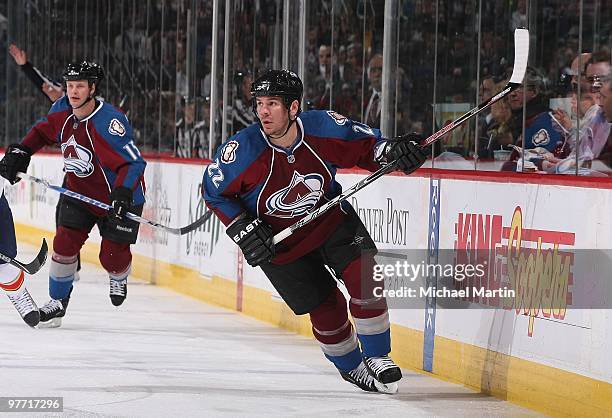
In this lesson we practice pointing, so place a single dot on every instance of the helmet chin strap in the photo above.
(291, 121)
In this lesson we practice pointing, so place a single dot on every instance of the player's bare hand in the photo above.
(19, 55)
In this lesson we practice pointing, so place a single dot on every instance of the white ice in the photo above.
(163, 354)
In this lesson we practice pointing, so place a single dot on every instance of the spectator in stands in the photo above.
(494, 129)
(242, 111)
(606, 96)
(374, 95)
(519, 16)
(327, 82)
(594, 129)
(354, 64)
(542, 133)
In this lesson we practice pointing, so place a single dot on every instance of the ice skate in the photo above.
(52, 312)
(361, 377)
(118, 291)
(26, 307)
(383, 369)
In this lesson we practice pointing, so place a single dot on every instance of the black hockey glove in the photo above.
(254, 238)
(406, 150)
(16, 159)
(121, 201)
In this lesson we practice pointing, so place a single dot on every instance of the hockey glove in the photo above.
(254, 238)
(121, 201)
(406, 151)
(16, 159)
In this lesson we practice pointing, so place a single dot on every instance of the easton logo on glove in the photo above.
(255, 239)
(247, 230)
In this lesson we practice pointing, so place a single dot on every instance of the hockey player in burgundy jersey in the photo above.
(12, 280)
(101, 161)
(267, 177)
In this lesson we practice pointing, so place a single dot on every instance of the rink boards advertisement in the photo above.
(555, 228)
(470, 218)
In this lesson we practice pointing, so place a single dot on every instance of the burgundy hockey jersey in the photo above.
(99, 151)
(280, 186)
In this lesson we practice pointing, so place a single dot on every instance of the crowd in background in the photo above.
(450, 54)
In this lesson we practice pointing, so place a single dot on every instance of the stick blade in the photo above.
(195, 225)
(42, 254)
(521, 55)
(38, 262)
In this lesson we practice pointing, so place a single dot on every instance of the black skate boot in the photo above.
(26, 307)
(383, 369)
(118, 291)
(52, 312)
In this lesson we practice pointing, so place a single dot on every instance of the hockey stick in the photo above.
(521, 54)
(94, 202)
(33, 266)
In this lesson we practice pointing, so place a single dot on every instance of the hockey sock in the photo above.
(375, 345)
(369, 312)
(61, 275)
(122, 275)
(346, 362)
(59, 287)
(331, 327)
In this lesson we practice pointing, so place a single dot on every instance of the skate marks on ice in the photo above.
(164, 354)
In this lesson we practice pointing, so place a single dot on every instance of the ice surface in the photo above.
(162, 354)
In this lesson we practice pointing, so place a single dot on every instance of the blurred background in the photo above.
(181, 70)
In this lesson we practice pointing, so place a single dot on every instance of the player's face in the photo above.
(77, 91)
(273, 115)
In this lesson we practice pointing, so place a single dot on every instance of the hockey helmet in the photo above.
(84, 70)
(281, 83)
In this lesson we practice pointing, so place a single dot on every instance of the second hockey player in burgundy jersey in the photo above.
(101, 161)
(270, 175)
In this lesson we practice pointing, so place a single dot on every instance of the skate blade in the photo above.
(52, 323)
(389, 388)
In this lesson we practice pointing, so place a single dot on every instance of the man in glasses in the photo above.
(586, 102)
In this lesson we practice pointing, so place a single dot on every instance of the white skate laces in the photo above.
(361, 378)
(51, 314)
(118, 291)
(52, 307)
(26, 307)
(383, 369)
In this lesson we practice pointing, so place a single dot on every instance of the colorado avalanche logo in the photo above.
(337, 117)
(298, 198)
(77, 158)
(228, 155)
(541, 137)
(116, 128)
